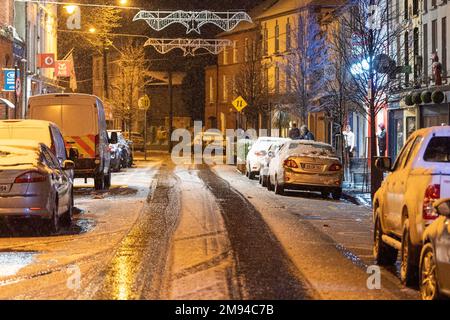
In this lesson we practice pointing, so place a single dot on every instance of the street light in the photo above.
(92, 30)
(123, 2)
(70, 9)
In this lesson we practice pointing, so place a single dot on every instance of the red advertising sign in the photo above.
(46, 60)
(63, 68)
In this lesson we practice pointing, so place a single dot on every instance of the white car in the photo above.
(306, 165)
(265, 162)
(403, 205)
(257, 153)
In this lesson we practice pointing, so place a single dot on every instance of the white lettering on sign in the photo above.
(74, 20)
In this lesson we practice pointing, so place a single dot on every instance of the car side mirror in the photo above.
(68, 165)
(73, 154)
(271, 154)
(442, 207)
(384, 164)
(114, 138)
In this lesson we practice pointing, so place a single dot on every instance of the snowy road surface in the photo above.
(169, 231)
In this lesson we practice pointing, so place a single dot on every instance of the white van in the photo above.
(81, 118)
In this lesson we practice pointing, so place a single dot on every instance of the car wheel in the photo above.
(269, 184)
(107, 181)
(408, 266)
(337, 194)
(279, 189)
(325, 194)
(382, 253)
(429, 286)
(99, 181)
(66, 218)
(264, 181)
(252, 175)
(53, 223)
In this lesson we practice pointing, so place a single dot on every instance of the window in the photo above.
(277, 38)
(277, 80)
(288, 80)
(413, 149)
(433, 4)
(425, 6)
(405, 7)
(402, 156)
(225, 56)
(288, 36)
(224, 88)
(438, 150)
(407, 56)
(444, 44)
(425, 51)
(266, 41)
(235, 51)
(416, 52)
(211, 89)
(415, 7)
(246, 50)
(434, 36)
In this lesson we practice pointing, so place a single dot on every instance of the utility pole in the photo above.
(15, 90)
(105, 70)
(170, 111)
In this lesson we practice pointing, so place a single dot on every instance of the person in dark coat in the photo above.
(305, 134)
(294, 133)
(382, 140)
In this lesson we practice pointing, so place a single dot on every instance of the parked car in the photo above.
(38, 130)
(306, 165)
(126, 154)
(81, 118)
(435, 255)
(33, 184)
(257, 153)
(265, 162)
(137, 140)
(115, 163)
(403, 205)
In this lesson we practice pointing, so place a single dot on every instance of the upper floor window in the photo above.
(235, 51)
(265, 41)
(246, 50)
(288, 36)
(225, 56)
(277, 37)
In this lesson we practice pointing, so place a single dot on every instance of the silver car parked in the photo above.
(435, 255)
(33, 184)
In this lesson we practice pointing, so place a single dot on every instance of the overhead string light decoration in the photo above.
(192, 20)
(189, 46)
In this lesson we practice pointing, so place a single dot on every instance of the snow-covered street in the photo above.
(168, 231)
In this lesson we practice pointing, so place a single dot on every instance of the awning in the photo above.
(7, 103)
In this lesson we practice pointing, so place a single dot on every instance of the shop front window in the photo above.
(435, 115)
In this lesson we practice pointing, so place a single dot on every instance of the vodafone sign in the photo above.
(46, 60)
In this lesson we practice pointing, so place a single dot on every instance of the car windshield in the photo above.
(438, 150)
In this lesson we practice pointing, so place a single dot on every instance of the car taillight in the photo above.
(335, 167)
(260, 153)
(432, 193)
(289, 163)
(30, 177)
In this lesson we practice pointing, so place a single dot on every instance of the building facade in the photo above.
(422, 100)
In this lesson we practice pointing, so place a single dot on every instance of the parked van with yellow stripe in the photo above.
(81, 119)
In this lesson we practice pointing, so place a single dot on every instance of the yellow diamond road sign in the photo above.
(239, 104)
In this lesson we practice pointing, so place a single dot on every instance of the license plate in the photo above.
(308, 166)
(4, 188)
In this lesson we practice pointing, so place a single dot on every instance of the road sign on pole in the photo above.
(239, 104)
(144, 102)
